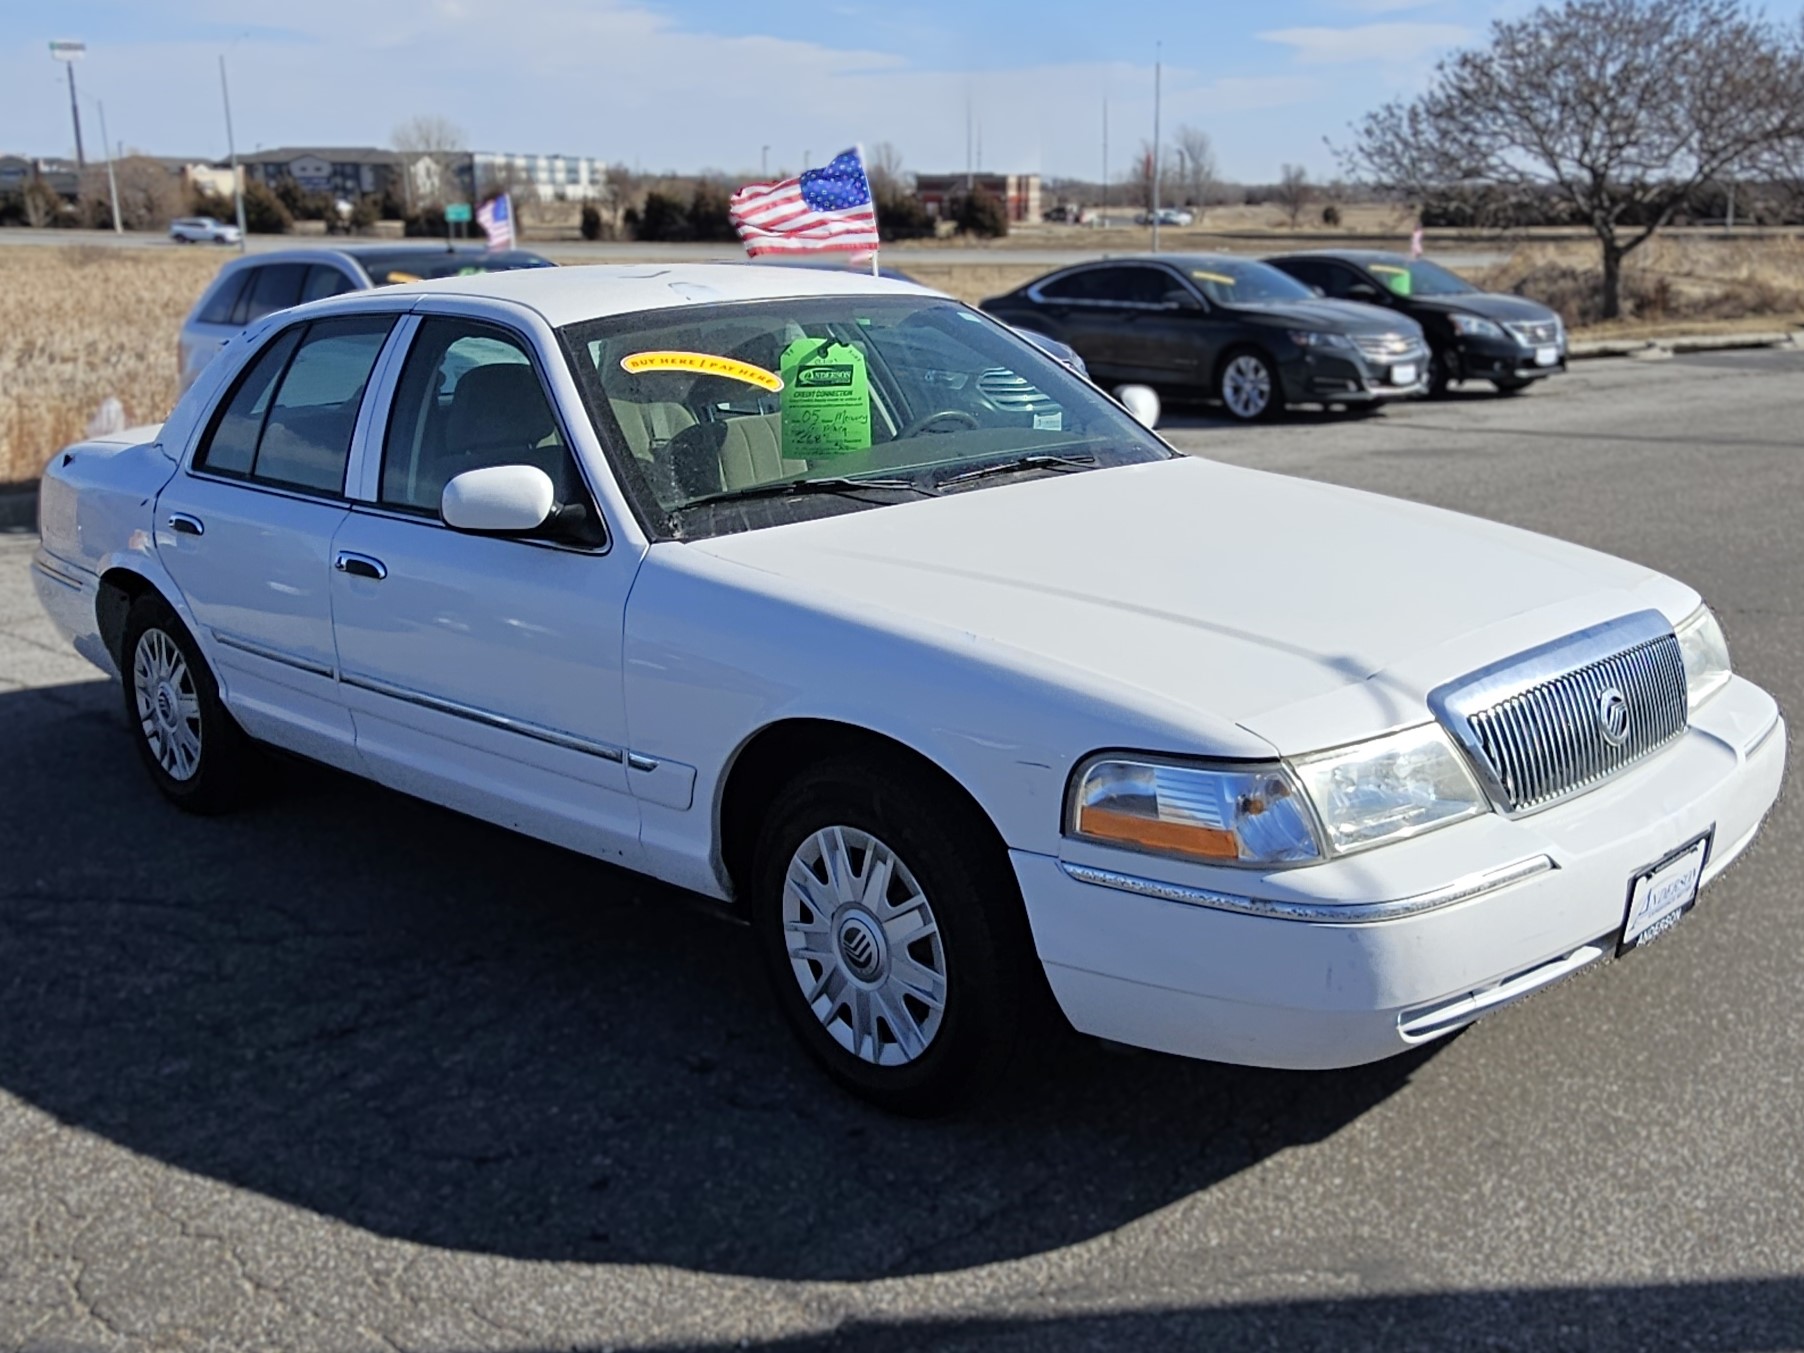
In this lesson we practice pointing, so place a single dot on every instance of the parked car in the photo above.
(751, 584)
(1475, 335)
(203, 230)
(1167, 216)
(256, 285)
(1204, 325)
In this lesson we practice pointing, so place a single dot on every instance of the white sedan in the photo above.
(831, 598)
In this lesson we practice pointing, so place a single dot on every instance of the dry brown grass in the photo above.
(1693, 282)
(80, 323)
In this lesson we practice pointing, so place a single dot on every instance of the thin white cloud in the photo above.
(1368, 42)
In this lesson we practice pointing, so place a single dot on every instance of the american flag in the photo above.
(496, 217)
(826, 208)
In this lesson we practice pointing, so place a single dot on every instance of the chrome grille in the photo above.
(1536, 726)
(1006, 390)
(1536, 333)
(1388, 347)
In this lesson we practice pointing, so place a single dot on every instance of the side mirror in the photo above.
(1318, 291)
(1142, 401)
(504, 499)
(1365, 291)
(1179, 299)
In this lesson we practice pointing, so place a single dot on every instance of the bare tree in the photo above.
(1198, 155)
(883, 166)
(1295, 192)
(150, 194)
(430, 147)
(1619, 109)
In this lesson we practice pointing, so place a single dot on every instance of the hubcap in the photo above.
(1246, 387)
(864, 946)
(168, 708)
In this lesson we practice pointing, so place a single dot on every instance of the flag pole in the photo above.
(875, 272)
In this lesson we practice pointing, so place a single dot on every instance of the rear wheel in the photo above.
(892, 933)
(1247, 386)
(1440, 373)
(193, 748)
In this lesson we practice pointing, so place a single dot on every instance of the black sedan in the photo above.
(1476, 335)
(1232, 329)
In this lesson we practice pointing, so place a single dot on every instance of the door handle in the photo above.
(360, 566)
(184, 525)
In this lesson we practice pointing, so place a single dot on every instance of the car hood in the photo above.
(1487, 304)
(1307, 613)
(1340, 317)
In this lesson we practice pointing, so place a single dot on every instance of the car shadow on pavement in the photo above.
(439, 1031)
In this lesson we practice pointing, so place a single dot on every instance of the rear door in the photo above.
(246, 529)
(1121, 321)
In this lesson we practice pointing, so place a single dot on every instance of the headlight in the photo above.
(1241, 815)
(1310, 338)
(1471, 326)
(1390, 788)
(1706, 654)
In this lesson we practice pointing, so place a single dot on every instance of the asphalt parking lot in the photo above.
(348, 1072)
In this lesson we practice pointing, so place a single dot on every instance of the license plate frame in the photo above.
(1405, 373)
(1647, 915)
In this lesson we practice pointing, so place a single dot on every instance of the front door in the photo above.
(484, 672)
(246, 530)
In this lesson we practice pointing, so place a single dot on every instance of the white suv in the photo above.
(203, 230)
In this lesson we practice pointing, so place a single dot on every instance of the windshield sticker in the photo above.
(397, 277)
(1397, 279)
(1050, 422)
(826, 399)
(1220, 277)
(703, 363)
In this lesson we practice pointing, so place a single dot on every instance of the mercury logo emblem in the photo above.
(1613, 716)
(858, 947)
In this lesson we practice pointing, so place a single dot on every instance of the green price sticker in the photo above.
(1399, 280)
(826, 399)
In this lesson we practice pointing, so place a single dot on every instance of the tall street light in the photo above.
(1158, 71)
(232, 151)
(112, 180)
(69, 52)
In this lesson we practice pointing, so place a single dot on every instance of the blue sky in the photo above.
(709, 83)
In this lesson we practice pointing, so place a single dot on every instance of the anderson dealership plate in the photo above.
(1660, 895)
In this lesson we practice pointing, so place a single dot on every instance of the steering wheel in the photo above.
(921, 424)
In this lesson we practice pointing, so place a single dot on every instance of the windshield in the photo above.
(1417, 277)
(1232, 281)
(715, 405)
(422, 265)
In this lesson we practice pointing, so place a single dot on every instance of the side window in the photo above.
(224, 299)
(1090, 284)
(231, 443)
(275, 286)
(307, 433)
(1143, 286)
(324, 280)
(1342, 280)
(468, 398)
(1310, 272)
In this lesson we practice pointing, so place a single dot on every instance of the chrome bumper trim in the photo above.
(1318, 913)
(1445, 1016)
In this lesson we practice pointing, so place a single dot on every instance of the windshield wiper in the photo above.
(1038, 461)
(785, 488)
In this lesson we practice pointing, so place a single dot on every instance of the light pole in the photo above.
(764, 164)
(232, 151)
(69, 52)
(112, 180)
(1158, 72)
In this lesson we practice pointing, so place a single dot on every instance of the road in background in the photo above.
(348, 1072)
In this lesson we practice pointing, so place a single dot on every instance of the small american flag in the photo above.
(496, 217)
(826, 208)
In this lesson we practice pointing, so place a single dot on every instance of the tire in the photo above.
(951, 913)
(1248, 386)
(1440, 373)
(192, 747)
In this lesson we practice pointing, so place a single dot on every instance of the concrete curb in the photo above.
(19, 509)
(1659, 349)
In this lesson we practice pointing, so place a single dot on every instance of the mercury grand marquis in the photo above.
(832, 599)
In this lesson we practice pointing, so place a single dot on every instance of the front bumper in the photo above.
(1348, 376)
(1493, 359)
(1295, 980)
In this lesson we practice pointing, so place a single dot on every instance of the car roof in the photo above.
(1349, 255)
(593, 291)
(1172, 260)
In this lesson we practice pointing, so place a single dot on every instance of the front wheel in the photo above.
(193, 748)
(893, 934)
(1247, 386)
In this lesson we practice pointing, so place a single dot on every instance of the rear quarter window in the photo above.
(223, 300)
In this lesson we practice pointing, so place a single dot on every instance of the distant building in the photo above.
(343, 171)
(60, 176)
(1018, 193)
(553, 178)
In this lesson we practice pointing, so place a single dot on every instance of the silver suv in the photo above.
(251, 287)
(202, 230)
